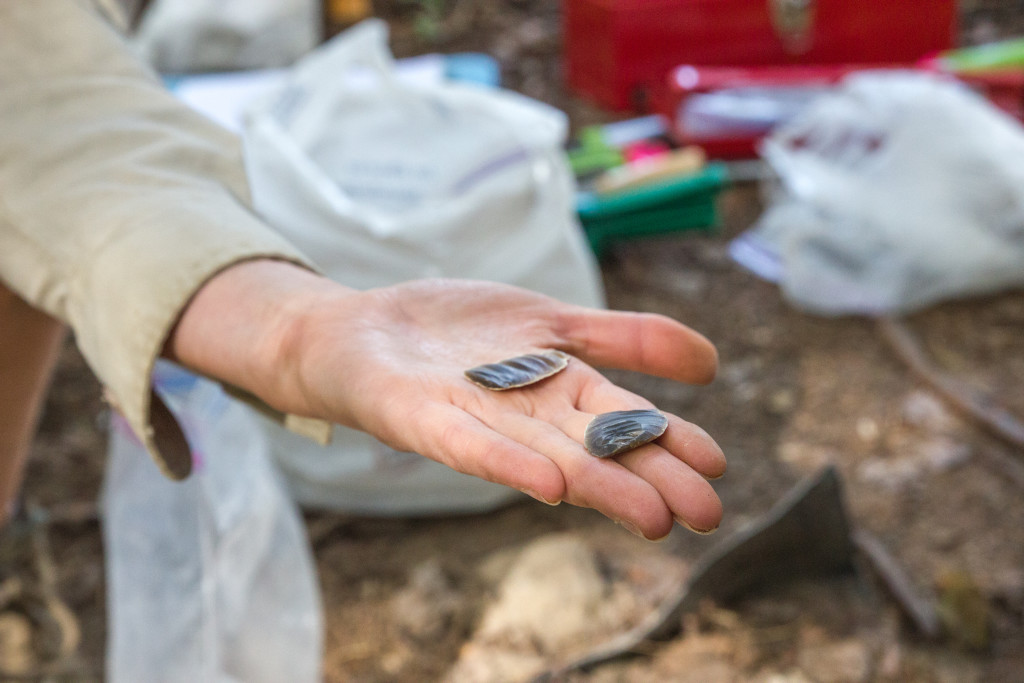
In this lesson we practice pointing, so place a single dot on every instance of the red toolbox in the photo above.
(618, 52)
(1003, 88)
(727, 110)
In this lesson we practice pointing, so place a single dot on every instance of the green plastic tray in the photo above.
(667, 206)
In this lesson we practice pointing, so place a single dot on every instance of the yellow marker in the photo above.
(685, 161)
(347, 12)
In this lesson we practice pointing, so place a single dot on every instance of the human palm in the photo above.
(390, 361)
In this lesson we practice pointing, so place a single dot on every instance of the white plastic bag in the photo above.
(899, 190)
(382, 181)
(187, 36)
(210, 579)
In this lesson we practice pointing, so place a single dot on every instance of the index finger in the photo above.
(645, 342)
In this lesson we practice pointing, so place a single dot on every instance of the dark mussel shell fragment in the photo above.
(612, 433)
(519, 371)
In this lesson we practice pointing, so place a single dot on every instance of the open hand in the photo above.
(390, 361)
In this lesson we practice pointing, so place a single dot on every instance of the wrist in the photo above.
(251, 326)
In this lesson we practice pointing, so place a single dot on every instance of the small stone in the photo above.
(394, 661)
(533, 32)
(941, 454)
(781, 402)
(689, 284)
(16, 653)
(698, 657)
(937, 454)
(795, 676)
(746, 392)
(425, 607)
(478, 664)
(743, 371)
(892, 474)
(926, 411)
(868, 430)
(890, 664)
(805, 457)
(846, 661)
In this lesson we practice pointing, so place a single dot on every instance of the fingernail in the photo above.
(631, 528)
(537, 496)
(628, 526)
(702, 532)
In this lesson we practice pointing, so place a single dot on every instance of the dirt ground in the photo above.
(795, 393)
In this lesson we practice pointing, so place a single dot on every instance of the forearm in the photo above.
(29, 346)
(391, 361)
(118, 201)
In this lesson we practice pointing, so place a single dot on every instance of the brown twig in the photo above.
(54, 609)
(975, 404)
(921, 611)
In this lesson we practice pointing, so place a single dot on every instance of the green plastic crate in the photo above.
(667, 206)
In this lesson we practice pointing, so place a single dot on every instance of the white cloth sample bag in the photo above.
(899, 190)
(382, 181)
(190, 36)
(210, 579)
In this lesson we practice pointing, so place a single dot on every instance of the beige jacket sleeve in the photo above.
(116, 202)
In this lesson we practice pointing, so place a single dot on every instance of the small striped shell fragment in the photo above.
(519, 371)
(612, 433)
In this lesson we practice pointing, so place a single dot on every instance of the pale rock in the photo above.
(425, 607)
(846, 661)
(926, 411)
(741, 376)
(940, 454)
(889, 473)
(489, 664)
(689, 284)
(932, 455)
(805, 457)
(782, 402)
(394, 661)
(699, 657)
(868, 430)
(551, 598)
(16, 652)
(890, 664)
